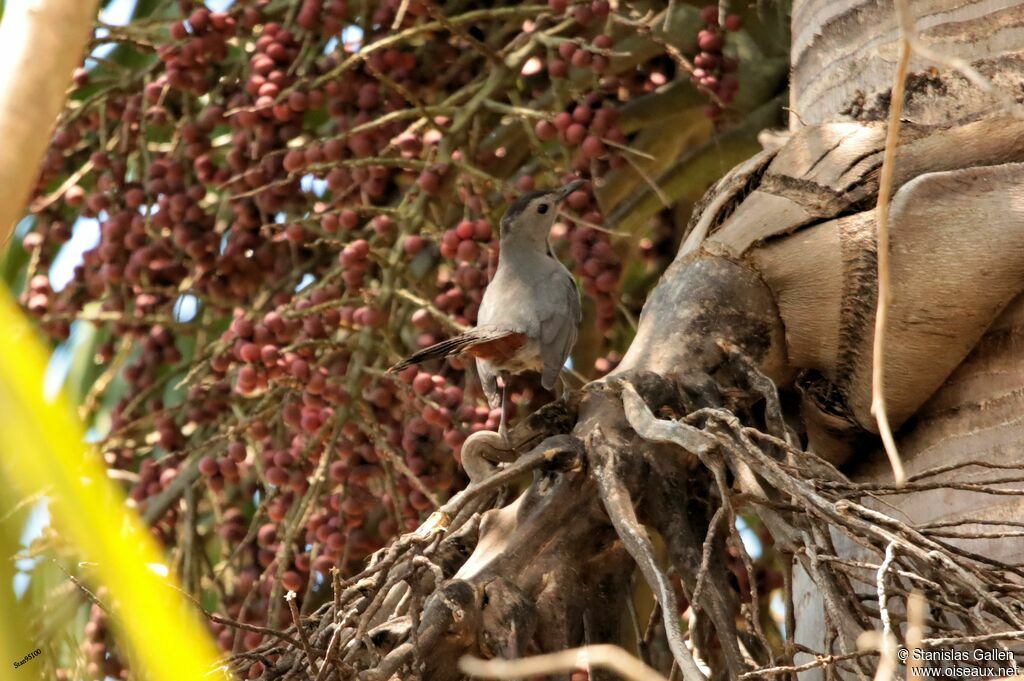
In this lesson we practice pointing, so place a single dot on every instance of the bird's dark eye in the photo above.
(542, 208)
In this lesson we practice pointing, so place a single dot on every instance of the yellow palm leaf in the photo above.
(42, 446)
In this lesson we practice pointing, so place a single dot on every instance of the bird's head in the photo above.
(529, 218)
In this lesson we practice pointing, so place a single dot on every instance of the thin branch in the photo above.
(290, 597)
(83, 588)
(885, 188)
(819, 661)
(1017, 635)
(873, 640)
(620, 508)
(235, 624)
(884, 641)
(545, 453)
(612, 658)
(707, 552)
(916, 610)
(883, 571)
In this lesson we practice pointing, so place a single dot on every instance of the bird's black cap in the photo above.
(520, 204)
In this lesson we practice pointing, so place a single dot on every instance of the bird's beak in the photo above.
(563, 192)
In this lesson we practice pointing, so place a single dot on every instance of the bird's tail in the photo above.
(453, 346)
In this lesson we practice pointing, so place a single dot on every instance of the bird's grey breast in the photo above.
(516, 296)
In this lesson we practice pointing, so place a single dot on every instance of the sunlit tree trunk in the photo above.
(843, 59)
(41, 43)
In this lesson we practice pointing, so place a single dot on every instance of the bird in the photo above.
(530, 312)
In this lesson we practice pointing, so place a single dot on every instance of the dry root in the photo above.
(680, 458)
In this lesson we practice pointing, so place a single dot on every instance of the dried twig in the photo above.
(916, 608)
(825, 507)
(884, 641)
(609, 657)
(621, 511)
(819, 661)
(885, 188)
(296, 620)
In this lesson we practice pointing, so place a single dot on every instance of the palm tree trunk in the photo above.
(843, 60)
(41, 43)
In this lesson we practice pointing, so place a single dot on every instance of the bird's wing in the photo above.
(560, 318)
(455, 346)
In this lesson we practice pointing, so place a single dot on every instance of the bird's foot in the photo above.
(503, 433)
(502, 424)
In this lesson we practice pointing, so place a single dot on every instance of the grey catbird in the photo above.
(530, 312)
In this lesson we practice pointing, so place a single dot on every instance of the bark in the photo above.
(973, 414)
(41, 43)
(844, 54)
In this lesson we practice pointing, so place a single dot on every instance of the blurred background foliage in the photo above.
(251, 209)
